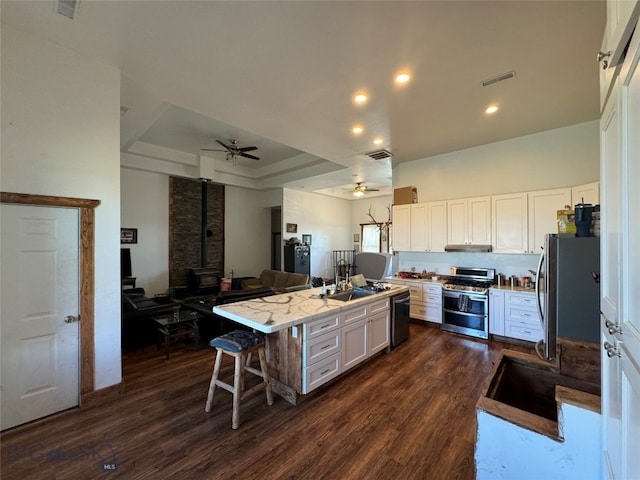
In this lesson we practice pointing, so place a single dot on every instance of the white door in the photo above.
(38, 288)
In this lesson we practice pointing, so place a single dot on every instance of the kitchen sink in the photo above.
(351, 295)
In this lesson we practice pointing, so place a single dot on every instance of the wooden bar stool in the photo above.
(239, 344)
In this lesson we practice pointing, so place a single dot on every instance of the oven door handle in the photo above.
(472, 296)
(458, 312)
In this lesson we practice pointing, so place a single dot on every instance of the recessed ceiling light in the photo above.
(360, 98)
(403, 78)
(491, 109)
(377, 141)
(357, 130)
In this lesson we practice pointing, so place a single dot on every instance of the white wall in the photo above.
(327, 219)
(361, 206)
(556, 158)
(247, 223)
(145, 205)
(61, 137)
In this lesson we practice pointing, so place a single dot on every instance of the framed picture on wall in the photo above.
(128, 235)
(306, 239)
(292, 228)
(356, 238)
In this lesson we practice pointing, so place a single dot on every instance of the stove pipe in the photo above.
(203, 223)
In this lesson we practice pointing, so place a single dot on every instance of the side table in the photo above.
(171, 327)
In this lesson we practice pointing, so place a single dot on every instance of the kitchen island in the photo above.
(312, 339)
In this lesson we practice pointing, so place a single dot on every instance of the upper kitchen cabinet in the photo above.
(509, 223)
(589, 193)
(621, 18)
(469, 221)
(436, 226)
(420, 227)
(543, 210)
(402, 228)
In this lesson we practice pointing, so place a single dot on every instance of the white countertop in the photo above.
(400, 280)
(278, 312)
(509, 288)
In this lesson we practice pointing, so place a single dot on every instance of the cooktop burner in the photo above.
(476, 280)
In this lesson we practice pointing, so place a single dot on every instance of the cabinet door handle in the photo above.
(611, 350)
(613, 328)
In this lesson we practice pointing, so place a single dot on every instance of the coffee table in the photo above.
(171, 327)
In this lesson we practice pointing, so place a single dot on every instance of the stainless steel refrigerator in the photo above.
(568, 291)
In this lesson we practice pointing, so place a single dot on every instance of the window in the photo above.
(375, 237)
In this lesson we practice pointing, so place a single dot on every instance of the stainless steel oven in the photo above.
(466, 313)
(465, 301)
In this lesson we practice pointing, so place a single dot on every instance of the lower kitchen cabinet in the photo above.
(496, 312)
(521, 317)
(321, 351)
(333, 344)
(425, 301)
(365, 334)
(514, 314)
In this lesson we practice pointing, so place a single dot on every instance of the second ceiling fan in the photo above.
(360, 190)
(233, 150)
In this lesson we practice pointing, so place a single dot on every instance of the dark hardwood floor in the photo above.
(409, 414)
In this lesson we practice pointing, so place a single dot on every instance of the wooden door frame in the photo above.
(86, 262)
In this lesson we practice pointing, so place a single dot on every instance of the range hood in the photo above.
(468, 248)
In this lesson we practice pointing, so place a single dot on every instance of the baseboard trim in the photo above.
(102, 396)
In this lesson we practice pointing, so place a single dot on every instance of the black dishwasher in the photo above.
(399, 319)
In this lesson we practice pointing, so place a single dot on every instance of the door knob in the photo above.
(70, 319)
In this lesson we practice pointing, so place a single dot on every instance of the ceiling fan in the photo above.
(360, 190)
(233, 150)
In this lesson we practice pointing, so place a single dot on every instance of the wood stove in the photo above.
(204, 280)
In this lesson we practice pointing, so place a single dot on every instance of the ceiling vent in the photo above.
(499, 78)
(68, 8)
(379, 154)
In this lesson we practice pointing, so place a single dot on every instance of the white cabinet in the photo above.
(425, 301)
(521, 318)
(321, 351)
(432, 296)
(620, 262)
(589, 192)
(420, 227)
(354, 340)
(621, 19)
(365, 331)
(401, 228)
(610, 210)
(543, 211)
(436, 230)
(509, 223)
(496, 312)
(334, 343)
(469, 221)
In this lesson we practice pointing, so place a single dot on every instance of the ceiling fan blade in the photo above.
(372, 189)
(225, 146)
(212, 150)
(242, 154)
(247, 149)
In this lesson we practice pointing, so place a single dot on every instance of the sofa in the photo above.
(279, 281)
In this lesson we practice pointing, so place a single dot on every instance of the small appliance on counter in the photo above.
(583, 219)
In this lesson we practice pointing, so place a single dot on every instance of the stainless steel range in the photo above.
(465, 301)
